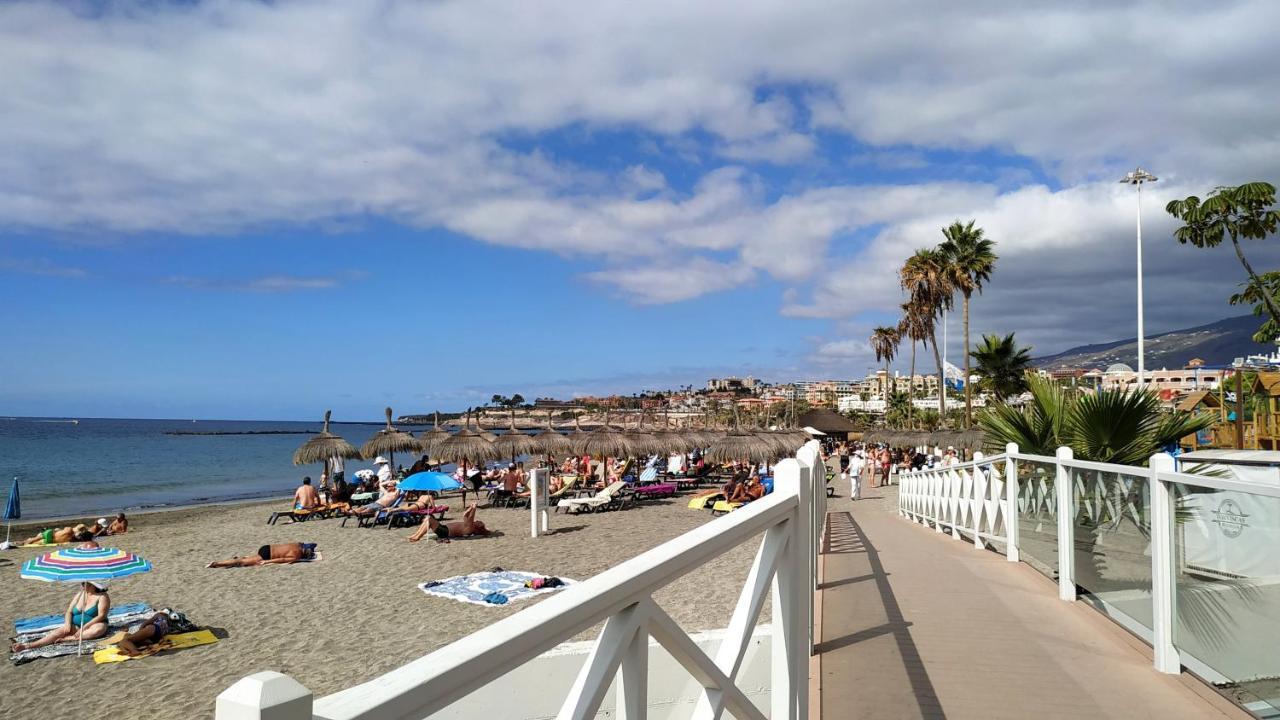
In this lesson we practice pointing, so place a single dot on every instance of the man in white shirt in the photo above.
(385, 477)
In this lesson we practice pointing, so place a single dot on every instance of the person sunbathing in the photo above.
(85, 619)
(152, 631)
(422, 503)
(283, 554)
(305, 497)
(444, 531)
(386, 501)
(59, 536)
(119, 526)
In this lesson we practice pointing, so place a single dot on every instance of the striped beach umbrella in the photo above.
(79, 564)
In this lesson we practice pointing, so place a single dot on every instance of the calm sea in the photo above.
(106, 465)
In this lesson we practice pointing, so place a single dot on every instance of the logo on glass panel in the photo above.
(1230, 518)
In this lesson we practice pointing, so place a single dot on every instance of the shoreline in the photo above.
(166, 514)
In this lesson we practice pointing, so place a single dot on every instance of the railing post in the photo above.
(1011, 502)
(632, 692)
(789, 636)
(264, 696)
(1163, 576)
(977, 498)
(1066, 528)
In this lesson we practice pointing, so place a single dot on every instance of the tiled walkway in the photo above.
(917, 625)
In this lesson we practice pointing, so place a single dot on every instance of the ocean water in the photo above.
(99, 466)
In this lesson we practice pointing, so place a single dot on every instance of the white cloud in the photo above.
(41, 266)
(264, 284)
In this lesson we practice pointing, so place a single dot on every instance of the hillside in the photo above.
(1216, 343)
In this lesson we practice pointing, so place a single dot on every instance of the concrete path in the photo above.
(917, 625)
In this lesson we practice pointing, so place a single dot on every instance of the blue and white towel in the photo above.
(120, 614)
(488, 588)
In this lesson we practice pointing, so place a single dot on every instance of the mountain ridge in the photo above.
(1216, 343)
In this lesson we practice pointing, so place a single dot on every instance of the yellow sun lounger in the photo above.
(723, 506)
(703, 501)
(170, 642)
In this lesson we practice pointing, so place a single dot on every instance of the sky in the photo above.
(255, 210)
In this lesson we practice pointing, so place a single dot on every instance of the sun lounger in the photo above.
(296, 515)
(406, 517)
(372, 519)
(654, 490)
(724, 506)
(598, 501)
(704, 500)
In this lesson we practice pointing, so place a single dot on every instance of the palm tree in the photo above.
(930, 292)
(969, 262)
(1113, 426)
(884, 341)
(1241, 211)
(914, 326)
(1002, 366)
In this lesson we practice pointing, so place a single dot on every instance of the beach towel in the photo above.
(484, 588)
(114, 623)
(120, 614)
(43, 545)
(178, 641)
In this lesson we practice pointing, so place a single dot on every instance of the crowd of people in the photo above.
(874, 465)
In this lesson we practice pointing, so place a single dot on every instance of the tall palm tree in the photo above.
(930, 291)
(969, 262)
(1002, 366)
(914, 326)
(884, 341)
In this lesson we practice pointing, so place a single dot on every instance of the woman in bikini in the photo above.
(444, 531)
(86, 618)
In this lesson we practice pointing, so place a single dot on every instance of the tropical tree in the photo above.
(1002, 366)
(914, 326)
(930, 292)
(969, 262)
(896, 409)
(1114, 426)
(1246, 211)
(884, 342)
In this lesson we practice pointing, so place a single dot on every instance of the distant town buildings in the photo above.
(732, 383)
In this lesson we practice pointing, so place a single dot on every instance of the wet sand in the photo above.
(330, 624)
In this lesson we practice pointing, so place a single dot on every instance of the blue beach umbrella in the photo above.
(12, 510)
(428, 482)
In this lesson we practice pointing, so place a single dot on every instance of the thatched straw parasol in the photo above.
(324, 447)
(484, 433)
(606, 440)
(466, 446)
(430, 440)
(552, 442)
(669, 441)
(389, 441)
(740, 444)
(513, 442)
(642, 442)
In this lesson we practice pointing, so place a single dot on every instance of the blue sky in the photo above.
(258, 210)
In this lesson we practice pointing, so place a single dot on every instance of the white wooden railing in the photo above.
(982, 501)
(790, 520)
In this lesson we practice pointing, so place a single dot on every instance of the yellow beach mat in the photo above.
(170, 642)
(700, 502)
(43, 545)
(723, 506)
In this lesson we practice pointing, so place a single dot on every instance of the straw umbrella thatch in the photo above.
(430, 440)
(389, 441)
(466, 446)
(324, 447)
(513, 442)
(606, 440)
(642, 442)
(669, 441)
(551, 442)
(741, 444)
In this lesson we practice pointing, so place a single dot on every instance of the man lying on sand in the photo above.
(468, 527)
(57, 536)
(283, 554)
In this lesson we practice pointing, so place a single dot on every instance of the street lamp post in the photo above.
(1136, 178)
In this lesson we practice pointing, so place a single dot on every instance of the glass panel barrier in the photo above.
(1227, 600)
(1037, 519)
(1113, 545)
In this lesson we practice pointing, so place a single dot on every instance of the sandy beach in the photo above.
(330, 624)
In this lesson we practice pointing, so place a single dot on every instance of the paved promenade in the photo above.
(917, 625)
